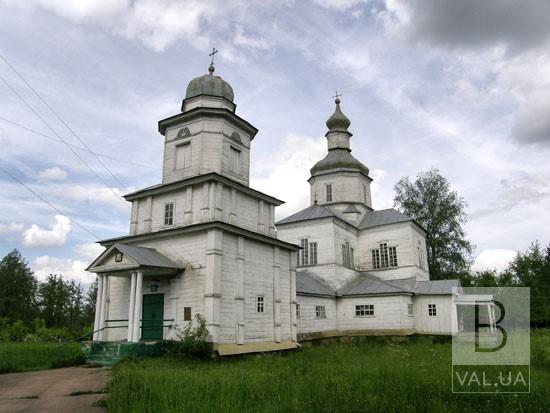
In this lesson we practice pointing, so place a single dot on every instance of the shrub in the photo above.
(192, 341)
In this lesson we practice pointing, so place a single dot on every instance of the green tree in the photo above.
(532, 269)
(430, 201)
(17, 289)
(89, 304)
(54, 301)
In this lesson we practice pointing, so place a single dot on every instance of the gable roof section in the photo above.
(148, 257)
(314, 211)
(309, 284)
(139, 256)
(382, 217)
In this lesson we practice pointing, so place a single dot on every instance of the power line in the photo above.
(48, 203)
(61, 119)
(22, 99)
(75, 146)
(150, 212)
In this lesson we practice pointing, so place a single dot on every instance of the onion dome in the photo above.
(338, 159)
(338, 121)
(209, 85)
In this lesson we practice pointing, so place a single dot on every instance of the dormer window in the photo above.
(169, 213)
(329, 192)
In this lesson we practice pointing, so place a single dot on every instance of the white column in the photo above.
(98, 306)
(103, 307)
(131, 307)
(137, 307)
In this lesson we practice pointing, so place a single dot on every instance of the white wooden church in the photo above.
(204, 242)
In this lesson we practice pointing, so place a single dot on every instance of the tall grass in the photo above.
(372, 375)
(16, 357)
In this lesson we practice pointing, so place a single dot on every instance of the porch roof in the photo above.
(134, 258)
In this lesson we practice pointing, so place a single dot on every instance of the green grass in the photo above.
(16, 357)
(371, 375)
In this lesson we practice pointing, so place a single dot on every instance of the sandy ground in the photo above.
(50, 390)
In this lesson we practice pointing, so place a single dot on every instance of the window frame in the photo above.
(320, 311)
(328, 193)
(173, 213)
(260, 304)
(432, 310)
(297, 311)
(187, 314)
(118, 256)
(364, 310)
(410, 309)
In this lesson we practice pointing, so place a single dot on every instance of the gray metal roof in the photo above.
(308, 283)
(148, 257)
(368, 284)
(436, 287)
(382, 217)
(312, 212)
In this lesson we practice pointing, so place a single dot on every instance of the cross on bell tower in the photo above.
(211, 67)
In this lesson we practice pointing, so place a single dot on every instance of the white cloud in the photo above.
(92, 194)
(36, 236)
(45, 265)
(339, 4)
(493, 259)
(89, 251)
(7, 227)
(53, 174)
(287, 171)
(156, 23)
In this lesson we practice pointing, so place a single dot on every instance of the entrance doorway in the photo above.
(152, 317)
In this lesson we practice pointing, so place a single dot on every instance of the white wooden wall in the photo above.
(308, 322)
(390, 313)
(441, 323)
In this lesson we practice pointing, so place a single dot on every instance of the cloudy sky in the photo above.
(460, 86)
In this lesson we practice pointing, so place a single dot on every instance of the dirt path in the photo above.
(50, 390)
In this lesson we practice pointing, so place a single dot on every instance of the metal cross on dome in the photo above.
(337, 97)
(214, 51)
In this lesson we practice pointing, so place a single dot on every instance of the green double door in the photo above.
(152, 317)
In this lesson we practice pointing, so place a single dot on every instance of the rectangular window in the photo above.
(320, 311)
(375, 259)
(260, 304)
(183, 156)
(366, 310)
(365, 193)
(169, 213)
(118, 257)
(409, 309)
(312, 253)
(186, 313)
(235, 159)
(304, 252)
(393, 256)
(384, 257)
(347, 255)
(297, 310)
(432, 310)
(329, 192)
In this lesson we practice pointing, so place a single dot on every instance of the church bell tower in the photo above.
(207, 136)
